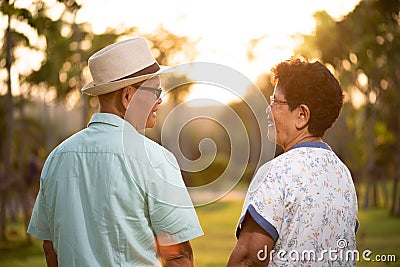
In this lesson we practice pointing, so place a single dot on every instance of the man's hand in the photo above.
(51, 255)
(177, 255)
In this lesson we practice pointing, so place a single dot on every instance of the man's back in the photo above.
(95, 196)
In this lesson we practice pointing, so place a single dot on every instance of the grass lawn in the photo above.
(378, 232)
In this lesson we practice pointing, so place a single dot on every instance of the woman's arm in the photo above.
(253, 245)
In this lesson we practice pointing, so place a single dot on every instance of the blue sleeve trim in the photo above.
(239, 227)
(261, 221)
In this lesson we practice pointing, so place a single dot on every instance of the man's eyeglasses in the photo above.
(274, 101)
(155, 91)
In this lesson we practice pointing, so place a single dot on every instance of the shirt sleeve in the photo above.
(172, 215)
(264, 202)
(39, 225)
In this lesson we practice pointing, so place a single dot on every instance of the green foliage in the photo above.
(366, 42)
(20, 14)
(60, 71)
(68, 46)
(209, 174)
(169, 50)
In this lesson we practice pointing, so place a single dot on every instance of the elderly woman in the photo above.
(301, 207)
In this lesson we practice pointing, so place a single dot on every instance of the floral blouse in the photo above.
(306, 201)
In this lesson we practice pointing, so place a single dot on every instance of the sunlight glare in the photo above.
(222, 29)
(248, 36)
(207, 94)
(358, 99)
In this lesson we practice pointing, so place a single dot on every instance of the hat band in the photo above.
(153, 68)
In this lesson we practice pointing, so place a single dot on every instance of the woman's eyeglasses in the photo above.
(274, 101)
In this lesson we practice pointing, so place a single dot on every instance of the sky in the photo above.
(223, 29)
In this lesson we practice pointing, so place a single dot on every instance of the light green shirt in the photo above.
(106, 192)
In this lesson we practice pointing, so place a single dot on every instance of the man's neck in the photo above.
(111, 103)
(111, 110)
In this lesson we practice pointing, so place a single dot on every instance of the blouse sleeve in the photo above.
(264, 201)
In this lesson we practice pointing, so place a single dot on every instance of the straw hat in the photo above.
(119, 65)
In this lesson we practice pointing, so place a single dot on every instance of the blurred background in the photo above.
(43, 65)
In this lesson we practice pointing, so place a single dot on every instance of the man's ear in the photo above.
(127, 94)
(303, 116)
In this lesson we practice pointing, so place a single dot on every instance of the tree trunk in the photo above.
(9, 135)
(84, 97)
(393, 207)
(23, 191)
(369, 170)
(85, 110)
(21, 148)
(396, 200)
(374, 192)
(385, 193)
(366, 193)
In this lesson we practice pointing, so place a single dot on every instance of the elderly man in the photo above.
(301, 207)
(108, 195)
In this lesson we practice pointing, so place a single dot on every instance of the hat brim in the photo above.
(101, 89)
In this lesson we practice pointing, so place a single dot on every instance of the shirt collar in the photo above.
(313, 144)
(107, 118)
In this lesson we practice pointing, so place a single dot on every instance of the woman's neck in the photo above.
(301, 139)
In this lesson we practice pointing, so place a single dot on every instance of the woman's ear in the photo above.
(303, 116)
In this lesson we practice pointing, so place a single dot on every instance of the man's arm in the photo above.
(253, 246)
(51, 255)
(177, 255)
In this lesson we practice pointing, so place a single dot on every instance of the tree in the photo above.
(65, 45)
(13, 38)
(363, 50)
